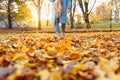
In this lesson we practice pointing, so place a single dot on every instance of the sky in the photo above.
(98, 2)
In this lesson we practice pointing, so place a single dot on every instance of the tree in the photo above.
(115, 7)
(103, 12)
(23, 14)
(47, 5)
(39, 6)
(9, 13)
(16, 10)
(8, 8)
(3, 14)
(72, 12)
(84, 7)
(94, 18)
(8, 3)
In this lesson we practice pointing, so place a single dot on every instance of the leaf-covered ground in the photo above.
(40, 56)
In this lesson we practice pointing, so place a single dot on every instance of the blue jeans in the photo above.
(57, 29)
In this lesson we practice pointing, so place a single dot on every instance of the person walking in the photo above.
(59, 10)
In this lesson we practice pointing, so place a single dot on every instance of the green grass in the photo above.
(2, 34)
(106, 25)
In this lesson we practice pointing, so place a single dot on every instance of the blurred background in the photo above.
(36, 14)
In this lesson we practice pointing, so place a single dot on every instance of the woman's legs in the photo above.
(63, 29)
(57, 30)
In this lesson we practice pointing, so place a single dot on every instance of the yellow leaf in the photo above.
(31, 65)
(79, 67)
(56, 76)
(15, 45)
(103, 61)
(65, 45)
(115, 49)
(44, 74)
(116, 77)
(16, 56)
(24, 49)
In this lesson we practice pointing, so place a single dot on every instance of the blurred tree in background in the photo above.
(103, 12)
(115, 7)
(37, 12)
(84, 7)
(15, 10)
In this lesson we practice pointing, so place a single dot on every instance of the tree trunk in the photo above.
(87, 22)
(9, 15)
(71, 16)
(71, 20)
(47, 23)
(72, 13)
(86, 15)
(6, 25)
(39, 16)
(84, 8)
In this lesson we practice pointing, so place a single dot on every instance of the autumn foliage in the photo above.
(85, 56)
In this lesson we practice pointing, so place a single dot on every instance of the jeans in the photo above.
(57, 30)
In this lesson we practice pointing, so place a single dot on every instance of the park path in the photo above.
(34, 30)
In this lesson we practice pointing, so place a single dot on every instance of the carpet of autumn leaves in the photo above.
(79, 56)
